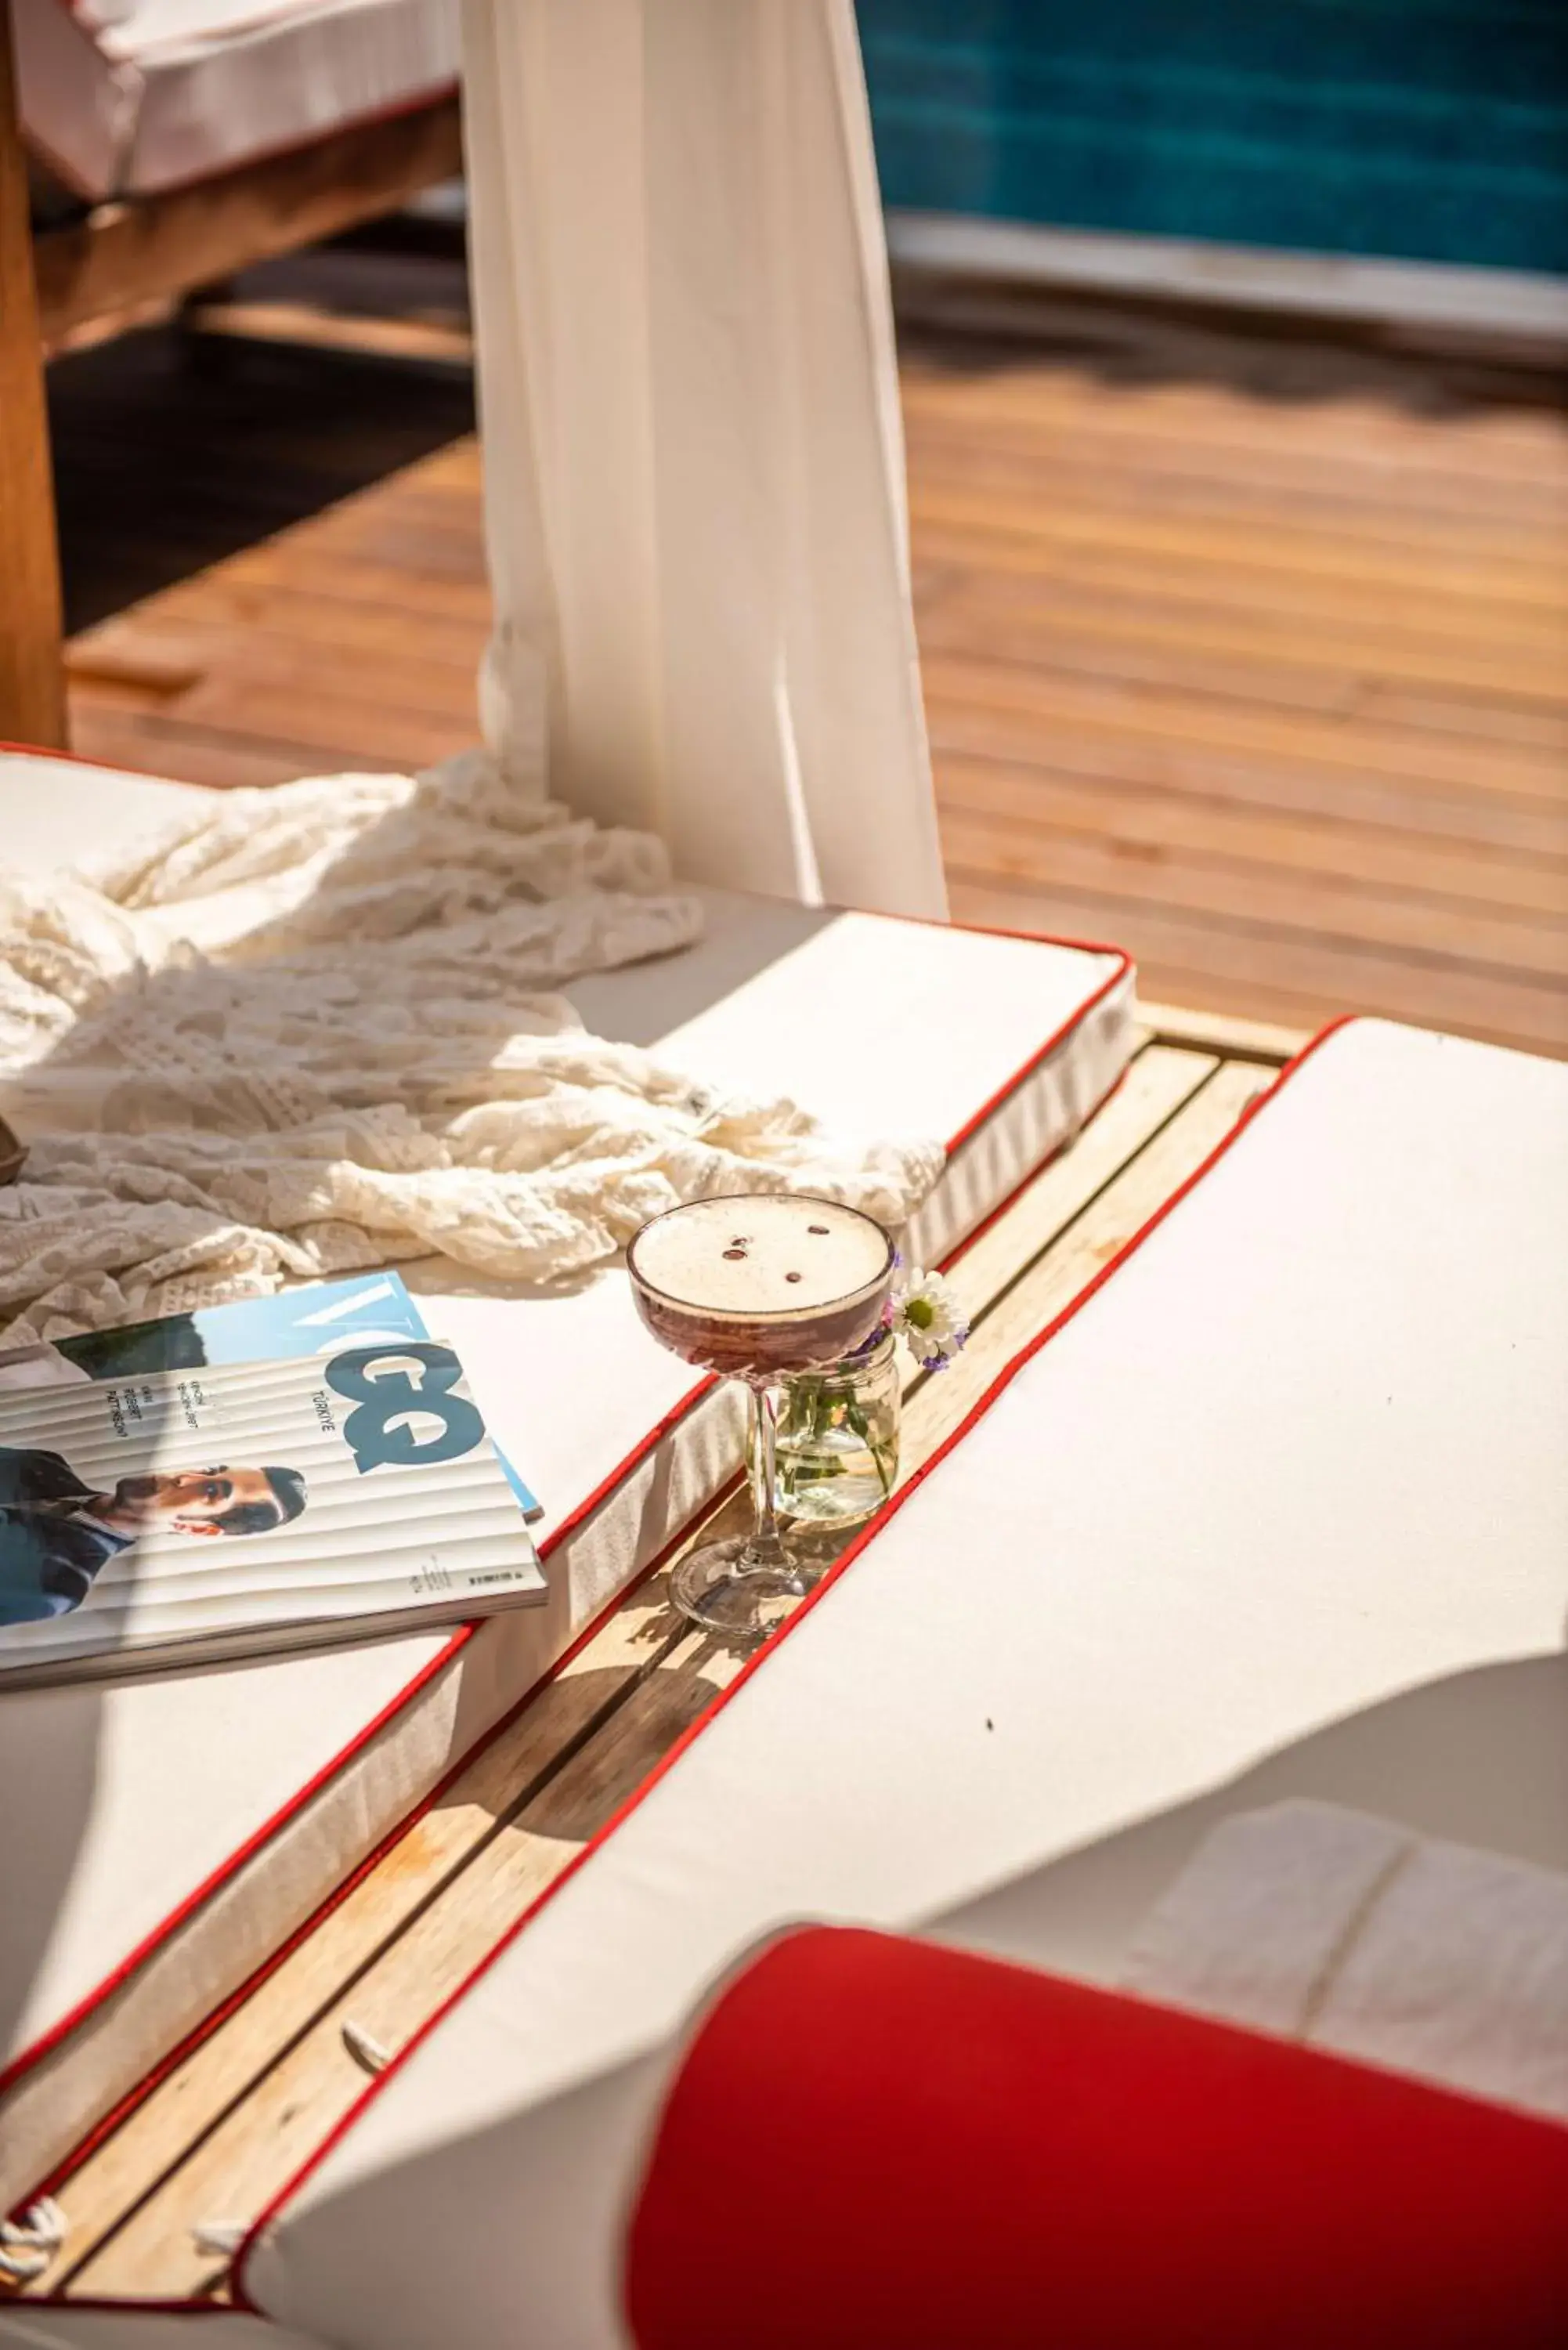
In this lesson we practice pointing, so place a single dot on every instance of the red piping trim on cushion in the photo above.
(29, 2058)
(667, 1763)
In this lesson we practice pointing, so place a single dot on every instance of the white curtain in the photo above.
(693, 457)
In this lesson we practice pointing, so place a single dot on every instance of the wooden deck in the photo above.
(218, 2138)
(1248, 655)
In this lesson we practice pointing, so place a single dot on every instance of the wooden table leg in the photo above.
(32, 673)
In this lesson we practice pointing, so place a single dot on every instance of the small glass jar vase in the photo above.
(837, 1443)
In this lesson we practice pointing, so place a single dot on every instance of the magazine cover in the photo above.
(231, 1509)
(312, 1321)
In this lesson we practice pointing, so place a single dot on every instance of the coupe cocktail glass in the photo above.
(752, 1286)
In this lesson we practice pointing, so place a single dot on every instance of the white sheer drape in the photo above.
(693, 455)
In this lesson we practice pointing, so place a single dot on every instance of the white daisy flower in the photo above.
(927, 1316)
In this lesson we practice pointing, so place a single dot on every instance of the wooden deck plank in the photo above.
(1187, 955)
(1103, 583)
(215, 615)
(1319, 853)
(219, 2137)
(1351, 911)
(1365, 506)
(142, 739)
(1510, 571)
(1320, 758)
(325, 730)
(1348, 409)
(1220, 622)
(1154, 660)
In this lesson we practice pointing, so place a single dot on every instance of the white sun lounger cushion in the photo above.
(138, 97)
(1282, 1509)
(178, 1830)
(78, 106)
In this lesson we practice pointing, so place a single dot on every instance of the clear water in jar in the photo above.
(838, 1448)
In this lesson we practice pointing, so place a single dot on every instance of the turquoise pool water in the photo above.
(1430, 129)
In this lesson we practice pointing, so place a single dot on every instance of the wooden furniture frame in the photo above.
(125, 258)
(122, 263)
(32, 678)
(235, 2118)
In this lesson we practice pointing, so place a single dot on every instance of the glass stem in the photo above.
(766, 1546)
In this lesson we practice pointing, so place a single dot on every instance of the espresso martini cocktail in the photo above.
(755, 1286)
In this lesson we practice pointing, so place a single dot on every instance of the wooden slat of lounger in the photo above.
(1235, 1039)
(219, 2137)
(126, 255)
(295, 323)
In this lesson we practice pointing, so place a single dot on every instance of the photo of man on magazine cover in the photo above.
(56, 1533)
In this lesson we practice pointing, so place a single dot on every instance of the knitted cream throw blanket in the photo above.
(313, 1028)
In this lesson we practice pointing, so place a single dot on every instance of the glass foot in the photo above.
(727, 1589)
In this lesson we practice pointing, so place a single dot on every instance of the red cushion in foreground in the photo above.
(882, 2144)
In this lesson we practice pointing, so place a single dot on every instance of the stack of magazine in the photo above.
(253, 1479)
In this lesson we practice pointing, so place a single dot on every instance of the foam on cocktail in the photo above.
(769, 1256)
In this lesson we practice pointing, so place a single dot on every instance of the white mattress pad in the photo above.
(138, 97)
